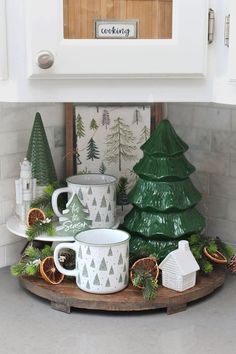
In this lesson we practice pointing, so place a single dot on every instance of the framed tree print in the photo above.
(106, 139)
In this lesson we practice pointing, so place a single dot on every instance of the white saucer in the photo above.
(16, 227)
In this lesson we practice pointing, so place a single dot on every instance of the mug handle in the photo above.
(60, 246)
(55, 195)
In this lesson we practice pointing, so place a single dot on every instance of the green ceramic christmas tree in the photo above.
(164, 197)
(39, 154)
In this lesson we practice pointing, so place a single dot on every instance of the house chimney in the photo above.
(183, 246)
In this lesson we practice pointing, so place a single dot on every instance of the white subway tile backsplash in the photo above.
(201, 181)
(223, 186)
(225, 229)
(7, 190)
(181, 114)
(209, 162)
(196, 138)
(6, 237)
(16, 125)
(59, 136)
(8, 143)
(212, 118)
(7, 208)
(10, 165)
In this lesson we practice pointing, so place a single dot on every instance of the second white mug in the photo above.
(97, 192)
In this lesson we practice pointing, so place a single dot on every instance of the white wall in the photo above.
(16, 121)
(210, 132)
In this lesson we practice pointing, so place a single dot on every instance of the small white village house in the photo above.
(179, 268)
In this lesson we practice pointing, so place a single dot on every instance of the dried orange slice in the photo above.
(216, 257)
(148, 264)
(34, 215)
(49, 271)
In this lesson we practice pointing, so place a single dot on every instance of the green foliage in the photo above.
(197, 243)
(145, 279)
(30, 260)
(40, 227)
(44, 202)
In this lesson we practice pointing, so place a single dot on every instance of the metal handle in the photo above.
(45, 59)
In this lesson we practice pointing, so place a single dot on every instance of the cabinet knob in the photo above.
(45, 59)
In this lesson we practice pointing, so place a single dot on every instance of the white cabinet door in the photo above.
(3, 44)
(232, 41)
(183, 56)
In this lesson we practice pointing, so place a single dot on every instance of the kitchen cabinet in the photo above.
(170, 61)
(49, 42)
(3, 43)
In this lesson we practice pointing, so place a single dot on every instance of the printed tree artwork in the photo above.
(102, 168)
(92, 150)
(77, 157)
(121, 192)
(144, 135)
(79, 126)
(93, 124)
(106, 118)
(75, 218)
(137, 117)
(164, 197)
(39, 154)
(120, 143)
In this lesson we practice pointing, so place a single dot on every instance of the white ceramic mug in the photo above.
(102, 260)
(97, 192)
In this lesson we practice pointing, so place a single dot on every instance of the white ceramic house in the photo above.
(179, 268)
(25, 190)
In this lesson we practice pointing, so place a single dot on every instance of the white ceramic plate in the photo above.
(16, 227)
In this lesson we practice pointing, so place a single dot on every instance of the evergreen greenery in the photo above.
(44, 203)
(40, 227)
(29, 263)
(197, 243)
(143, 278)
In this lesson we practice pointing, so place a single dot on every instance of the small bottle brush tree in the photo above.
(164, 197)
(39, 154)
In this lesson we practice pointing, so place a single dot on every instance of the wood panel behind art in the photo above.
(155, 16)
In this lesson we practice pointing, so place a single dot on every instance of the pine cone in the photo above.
(232, 264)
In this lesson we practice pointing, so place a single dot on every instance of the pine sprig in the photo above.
(149, 288)
(144, 279)
(40, 228)
(44, 202)
(29, 263)
(198, 242)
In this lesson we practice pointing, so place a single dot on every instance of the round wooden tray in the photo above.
(67, 295)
